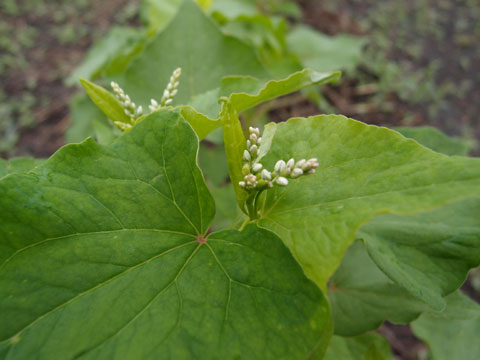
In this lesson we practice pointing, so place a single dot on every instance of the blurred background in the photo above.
(405, 63)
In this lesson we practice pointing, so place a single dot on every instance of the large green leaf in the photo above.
(362, 296)
(193, 42)
(364, 171)
(452, 333)
(428, 254)
(435, 140)
(103, 255)
(18, 165)
(365, 347)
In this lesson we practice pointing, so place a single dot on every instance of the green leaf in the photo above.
(364, 171)
(234, 141)
(158, 13)
(257, 91)
(193, 42)
(228, 215)
(435, 140)
(428, 254)
(110, 55)
(365, 347)
(103, 254)
(452, 333)
(213, 164)
(18, 165)
(106, 101)
(83, 116)
(362, 296)
(325, 53)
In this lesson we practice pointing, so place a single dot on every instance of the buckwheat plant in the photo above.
(257, 178)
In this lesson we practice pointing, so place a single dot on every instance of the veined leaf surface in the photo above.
(364, 171)
(104, 255)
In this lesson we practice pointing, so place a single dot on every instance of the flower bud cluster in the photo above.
(258, 178)
(251, 167)
(134, 112)
(169, 93)
(129, 107)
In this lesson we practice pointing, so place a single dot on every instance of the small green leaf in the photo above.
(452, 333)
(435, 140)
(106, 101)
(364, 171)
(104, 255)
(261, 92)
(365, 347)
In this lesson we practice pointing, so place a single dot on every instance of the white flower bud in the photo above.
(139, 110)
(311, 171)
(290, 163)
(242, 184)
(259, 140)
(166, 94)
(173, 93)
(301, 164)
(168, 102)
(313, 162)
(266, 175)
(246, 156)
(253, 149)
(257, 167)
(253, 138)
(280, 166)
(249, 143)
(297, 172)
(282, 181)
(154, 102)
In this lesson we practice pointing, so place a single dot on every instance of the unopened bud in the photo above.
(280, 166)
(266, 175)
(290, 163)
(257, 167)
(282, 181)
(297, 172)
(242, 184)
(301, 164)
(246, 156)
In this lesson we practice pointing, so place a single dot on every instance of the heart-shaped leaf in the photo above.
(364, 171)
(104, 254)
